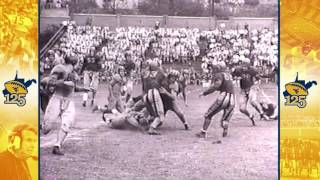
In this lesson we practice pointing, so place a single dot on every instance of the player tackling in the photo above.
(249, 77)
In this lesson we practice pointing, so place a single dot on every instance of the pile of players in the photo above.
(147, 111)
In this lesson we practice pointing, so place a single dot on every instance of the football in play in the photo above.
(15, 87)
(296, 89)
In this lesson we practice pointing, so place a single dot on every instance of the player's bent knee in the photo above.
(65, 127)
(67, 121)
(47, 126)
(254, 103)
(157, 122)
(49, 123)
(207, 116)
(243, 109)
(224, 124)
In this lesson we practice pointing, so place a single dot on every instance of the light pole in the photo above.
(212, 8)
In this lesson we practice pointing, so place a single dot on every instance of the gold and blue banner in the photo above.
(19, 89)
(299, 89)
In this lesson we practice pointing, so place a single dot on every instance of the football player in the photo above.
(222, 82)
(61, 106)
(129, 66)
(116, 89)
(270, 110)
(183, 85)
(91, 67)
(129, 118)
(158, 98)
(169, 94)
(249, 77)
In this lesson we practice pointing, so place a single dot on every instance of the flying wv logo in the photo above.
(16, 90)
(296, 92)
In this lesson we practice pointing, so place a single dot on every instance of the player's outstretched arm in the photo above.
(53, 80)
(82, 89)
(214, 87)
(69, 83)
(270, 75)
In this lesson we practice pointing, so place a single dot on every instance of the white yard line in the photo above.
(50, 140)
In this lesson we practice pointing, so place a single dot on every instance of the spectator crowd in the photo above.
(187, 46)
(51, 4)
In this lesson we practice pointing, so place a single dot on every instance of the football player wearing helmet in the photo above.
(61, 108)
(222, 82)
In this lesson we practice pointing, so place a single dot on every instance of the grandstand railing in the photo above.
(203, 23)
(52, 41)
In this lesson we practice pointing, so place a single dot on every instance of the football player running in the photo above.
(61, 108)
(90, 69)
(222, 82)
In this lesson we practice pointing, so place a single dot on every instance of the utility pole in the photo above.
(114, 6)
(212, 8)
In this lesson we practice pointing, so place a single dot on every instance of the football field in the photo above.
(94, 151)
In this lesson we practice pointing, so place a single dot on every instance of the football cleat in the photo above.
(201, 134)
(57, 151)
(252, 120)
(152, 131)
(225, 132)
(186, 126)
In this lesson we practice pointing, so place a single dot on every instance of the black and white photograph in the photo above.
(158, 90)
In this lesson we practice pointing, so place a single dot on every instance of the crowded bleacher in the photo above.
(191, 47)
(50, 4)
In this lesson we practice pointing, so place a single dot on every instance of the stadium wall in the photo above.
(203, 23)
(46, 21)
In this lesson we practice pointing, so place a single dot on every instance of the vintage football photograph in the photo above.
(150, 89)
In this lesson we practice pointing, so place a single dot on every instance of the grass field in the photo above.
(94, 151)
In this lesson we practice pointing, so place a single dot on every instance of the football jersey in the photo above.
(183, 81)
(174, 87)
(92, 63)
(60, 71)
(63, 72)
(248, 75)
(129, 66)
(226, 82)
(116, 83)
(153, 79)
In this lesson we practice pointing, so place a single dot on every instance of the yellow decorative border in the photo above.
(19, 52)
(299, 52)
